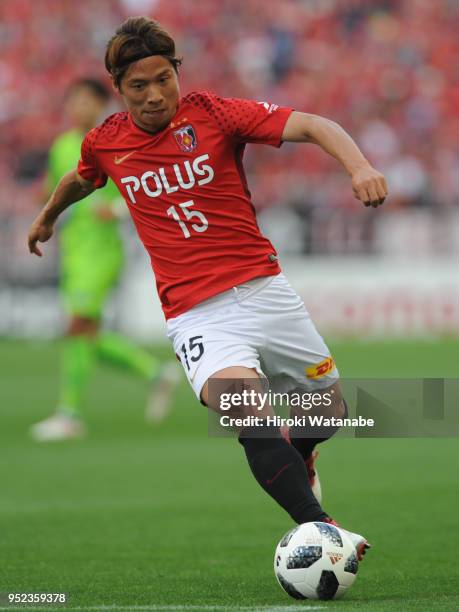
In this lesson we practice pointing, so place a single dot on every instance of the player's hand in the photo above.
(40, 231)
(105, 213)
(369, 186)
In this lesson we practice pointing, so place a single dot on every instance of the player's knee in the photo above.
(332, 406)
(336, 404)
(236, 391)
(331, 403)
(338, 408)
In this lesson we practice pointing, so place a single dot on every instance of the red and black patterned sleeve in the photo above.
(245, 120)
(88, 168)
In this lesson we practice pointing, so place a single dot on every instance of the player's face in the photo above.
(151, 93)
(84, 108)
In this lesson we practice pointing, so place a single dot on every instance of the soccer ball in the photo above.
(315, 561)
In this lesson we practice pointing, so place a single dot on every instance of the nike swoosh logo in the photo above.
(120, 160)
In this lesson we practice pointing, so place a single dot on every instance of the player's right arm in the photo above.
(70, 189)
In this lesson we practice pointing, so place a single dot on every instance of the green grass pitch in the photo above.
(138, 518)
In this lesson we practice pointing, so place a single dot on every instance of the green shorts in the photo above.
(89, 272)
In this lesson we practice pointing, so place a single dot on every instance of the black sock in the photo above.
(281, 472)
(305, 446)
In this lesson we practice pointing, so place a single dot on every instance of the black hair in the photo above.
(135, 39)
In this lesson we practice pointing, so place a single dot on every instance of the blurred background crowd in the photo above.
(386, 70)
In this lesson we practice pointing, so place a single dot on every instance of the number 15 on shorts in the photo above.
(192, 350)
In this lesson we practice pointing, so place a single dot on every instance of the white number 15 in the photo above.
(189, 215)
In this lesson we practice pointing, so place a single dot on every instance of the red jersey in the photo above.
(187, 192)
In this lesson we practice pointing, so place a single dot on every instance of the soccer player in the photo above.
(231, 313)
(91, 263)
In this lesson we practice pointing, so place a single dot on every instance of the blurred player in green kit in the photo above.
(91, 264)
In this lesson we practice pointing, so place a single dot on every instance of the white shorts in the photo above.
(262, 324)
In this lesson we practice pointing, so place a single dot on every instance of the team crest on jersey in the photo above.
(186, 138)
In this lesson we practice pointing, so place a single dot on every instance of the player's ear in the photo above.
(115, 87)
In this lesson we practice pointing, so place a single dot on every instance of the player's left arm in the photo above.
(369, 185)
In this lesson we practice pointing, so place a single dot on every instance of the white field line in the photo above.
(168, 608)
